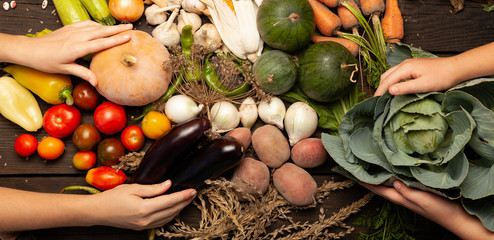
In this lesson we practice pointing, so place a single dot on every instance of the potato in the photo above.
(270, 145)
(252, 176)
(295, 184)
(309, 153)
(243, 134)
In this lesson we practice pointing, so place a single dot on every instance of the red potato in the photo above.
(309, 153)
(295, 184)
(243, 134)
(251, 176)
(271, 146)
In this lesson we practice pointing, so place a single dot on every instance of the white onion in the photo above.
(300, 122)
(180, 108)
(272, 112)
(224, 117)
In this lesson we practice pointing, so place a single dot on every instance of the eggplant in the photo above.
(209, 162)
(169, 152)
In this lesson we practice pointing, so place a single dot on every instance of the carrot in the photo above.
(349, 44)
(392, 22)
(348, 20)
(327, 22)
(330, 3)
(370, 7)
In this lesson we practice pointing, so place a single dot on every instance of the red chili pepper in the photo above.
(105, 177)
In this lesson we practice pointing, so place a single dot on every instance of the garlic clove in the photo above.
(208, 37)
(300, 122)
(224, 117)
(272, 111)
(248, 112)
(186, 18)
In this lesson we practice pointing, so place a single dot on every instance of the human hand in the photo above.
(423, 75)
(56, 52)
(138, 207)
(447, 213)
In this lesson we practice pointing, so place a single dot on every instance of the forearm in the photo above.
(475, 63)
(14, 48)
(22, 210)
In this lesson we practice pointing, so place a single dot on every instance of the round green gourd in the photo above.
(286, 24)
(325, 71)
(275, 71)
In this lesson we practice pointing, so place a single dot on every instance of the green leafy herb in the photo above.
(390, 222)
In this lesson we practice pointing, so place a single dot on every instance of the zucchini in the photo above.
(99, 11)
(71, 11)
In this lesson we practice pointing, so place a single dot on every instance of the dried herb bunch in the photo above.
(223, 216)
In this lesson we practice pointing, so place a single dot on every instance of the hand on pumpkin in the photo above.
(56, 52)
(447, 213)
(138, 207)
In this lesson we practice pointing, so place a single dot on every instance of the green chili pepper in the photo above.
(152, 106)
(90, 190)
(186, 40)
(212, 80)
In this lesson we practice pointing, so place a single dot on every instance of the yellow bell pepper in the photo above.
(19, 105)
(53, 88)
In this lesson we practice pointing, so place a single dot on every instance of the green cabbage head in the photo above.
(439, 141)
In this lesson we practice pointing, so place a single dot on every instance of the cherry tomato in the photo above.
(105, 177)
(110, 118)
(132, 138)
(25, 145)
(109, 150)
(86, 136)
(51, 148)
(61, 120)
(85, 96)
(155, 124)
(84, 160)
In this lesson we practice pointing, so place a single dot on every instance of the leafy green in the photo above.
(390, 222)
(330, 114)
(488, 7)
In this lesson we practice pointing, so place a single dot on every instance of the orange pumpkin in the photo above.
(132, 74)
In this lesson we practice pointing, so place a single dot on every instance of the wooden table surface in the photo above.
(428, 25)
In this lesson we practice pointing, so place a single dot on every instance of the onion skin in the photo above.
(134, 84)
(126, 10)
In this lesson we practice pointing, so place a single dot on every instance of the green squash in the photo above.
(325, 71)
(286, 24)
(275, 71)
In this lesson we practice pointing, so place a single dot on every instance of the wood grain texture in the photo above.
(428, 25)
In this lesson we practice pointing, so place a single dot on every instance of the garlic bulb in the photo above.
(300, 122)
(174, 2)
(208, 37)
(180, 108)
(194, 6)
(272, 112)
(156, 15)
(167, 32)
(224, 117)
(186, 18)
(248, 112)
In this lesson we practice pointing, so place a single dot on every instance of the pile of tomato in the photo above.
(96, 141)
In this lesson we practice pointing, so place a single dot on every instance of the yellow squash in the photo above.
(19, 105)
(51, 87)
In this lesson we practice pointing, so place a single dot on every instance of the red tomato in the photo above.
(110, 118)
(110, 150)
(86, 136)
(25, 145)
(85, 96)
(61, 120)
(50, 148)
(132, 138)
(84, 160)
(105, 177)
